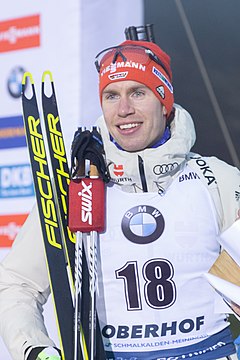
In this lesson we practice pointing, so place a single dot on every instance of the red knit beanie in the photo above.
(135, 67)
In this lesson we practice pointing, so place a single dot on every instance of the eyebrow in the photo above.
(131, 89)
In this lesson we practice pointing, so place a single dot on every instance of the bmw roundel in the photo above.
(143, 224)
(14, 82)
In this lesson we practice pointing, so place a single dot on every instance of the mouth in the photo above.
(128, 126)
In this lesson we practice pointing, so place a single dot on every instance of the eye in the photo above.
(111, 96)
(138, 93)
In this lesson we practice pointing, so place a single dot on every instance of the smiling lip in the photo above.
(128, 126)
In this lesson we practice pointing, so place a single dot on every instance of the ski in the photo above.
(57, 259)
(60, 172)
(51, 181)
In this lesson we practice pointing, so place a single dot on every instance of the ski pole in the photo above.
(94, 238)
(87, 216)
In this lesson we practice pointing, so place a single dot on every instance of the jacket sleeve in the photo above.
(223, 183)
(24, 289)
(228, 182)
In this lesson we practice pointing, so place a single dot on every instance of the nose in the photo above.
(125, 107)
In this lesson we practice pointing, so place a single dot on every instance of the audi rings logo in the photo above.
(164, 168)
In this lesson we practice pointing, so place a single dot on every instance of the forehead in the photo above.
(124, 86)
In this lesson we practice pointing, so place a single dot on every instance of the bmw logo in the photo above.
(143, 224)
(14, 82)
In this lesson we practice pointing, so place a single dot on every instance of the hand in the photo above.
(49, 353)
(88, 145)
(235, 308)
(44, 353)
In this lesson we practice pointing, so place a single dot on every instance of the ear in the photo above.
(164, 110)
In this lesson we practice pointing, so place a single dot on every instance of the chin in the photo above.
(130, 149)
(130, 146)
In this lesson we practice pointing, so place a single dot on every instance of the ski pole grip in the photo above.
(86, 208)
(93, 171)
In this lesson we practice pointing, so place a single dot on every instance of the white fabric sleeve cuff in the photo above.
(230, 241)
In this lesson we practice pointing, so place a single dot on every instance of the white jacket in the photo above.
(24, 285)
(221, 179)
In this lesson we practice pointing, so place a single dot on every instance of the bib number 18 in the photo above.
(159, 288)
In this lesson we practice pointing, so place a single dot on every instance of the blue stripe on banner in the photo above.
(12, 133)
(212, 348)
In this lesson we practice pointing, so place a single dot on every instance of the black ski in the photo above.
(61, 179)
(59, 164)
(57, 262)
(51, 179)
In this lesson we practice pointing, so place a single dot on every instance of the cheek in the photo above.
(155, 118)
(157, 122)
(107, 114)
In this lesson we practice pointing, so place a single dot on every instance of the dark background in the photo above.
(215, 27)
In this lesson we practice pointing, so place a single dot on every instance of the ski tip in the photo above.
(27, 75)
(47, 73)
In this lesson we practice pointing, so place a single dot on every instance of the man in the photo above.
(166, 209)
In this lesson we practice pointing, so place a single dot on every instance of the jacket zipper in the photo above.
(142, 174)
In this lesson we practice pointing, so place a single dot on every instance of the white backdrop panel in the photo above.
(71, 33)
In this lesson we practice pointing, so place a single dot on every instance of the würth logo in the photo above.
(118, 170)
(20, 33)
